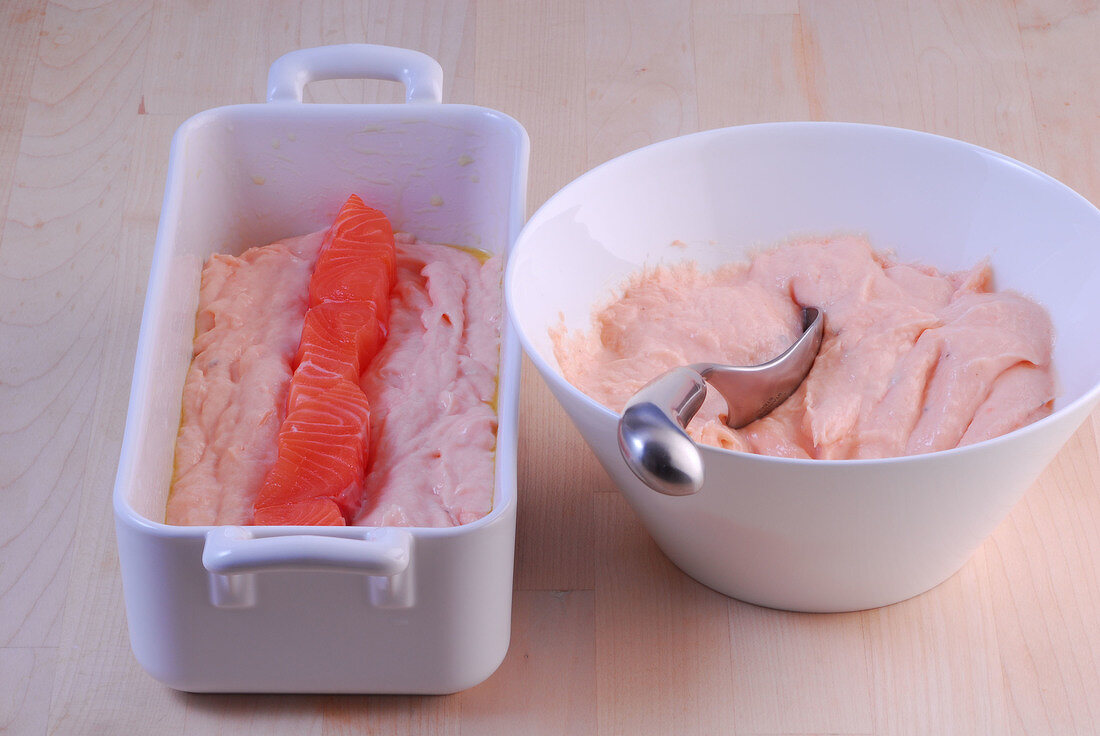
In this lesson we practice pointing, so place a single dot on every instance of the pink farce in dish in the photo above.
(432, 391)
(912, 361)
(432, 388)
(249, 322)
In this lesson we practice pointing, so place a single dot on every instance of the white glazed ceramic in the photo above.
(293, 609)
(820, 535)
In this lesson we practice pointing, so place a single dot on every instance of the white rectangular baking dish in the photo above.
(293, 609)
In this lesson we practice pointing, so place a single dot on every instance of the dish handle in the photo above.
(421, 74)
(233, 555)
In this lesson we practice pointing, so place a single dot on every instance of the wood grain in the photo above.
(861, 64)
(973, 83)
(59, 259)
(608, 636)
(252, 715)
(94, 649)
(749, 68)
(785, 669)
(554, 645)
(539, 78)
(20, 26)
(25, 672)
(944, 677)
(663, 654)
(640, 85)
(1061, 62)
(1046, 595)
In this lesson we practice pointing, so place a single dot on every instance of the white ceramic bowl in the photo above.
(805, 534)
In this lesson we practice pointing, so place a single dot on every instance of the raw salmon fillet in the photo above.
(323, 444)
(322, 447)
(339, 340)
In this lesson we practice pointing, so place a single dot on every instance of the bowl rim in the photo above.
(553, 375)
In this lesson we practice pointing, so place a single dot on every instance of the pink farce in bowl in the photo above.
(820, 535)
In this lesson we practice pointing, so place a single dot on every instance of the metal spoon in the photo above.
(651, 431)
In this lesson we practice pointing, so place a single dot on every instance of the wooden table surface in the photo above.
(608, 636)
